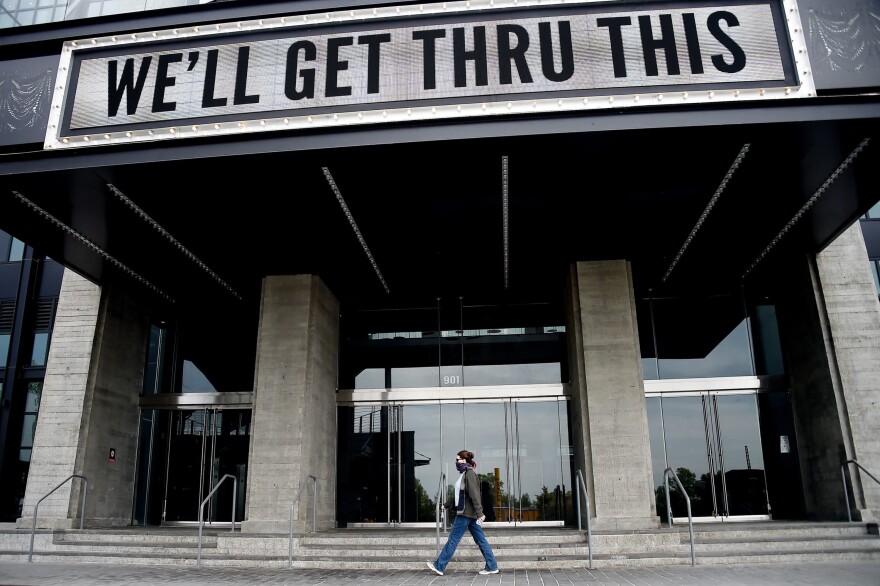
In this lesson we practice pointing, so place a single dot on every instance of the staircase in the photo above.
(538, 548)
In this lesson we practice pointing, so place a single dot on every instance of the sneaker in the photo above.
(487, 571)
(436, 571)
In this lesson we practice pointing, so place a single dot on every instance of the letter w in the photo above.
(125, 85)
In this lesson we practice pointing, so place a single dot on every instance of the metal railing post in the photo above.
(314, 515)
(202, 510)
(437, 515)
(687, 501)
(843, 477)
(581, 486)
(82, 511)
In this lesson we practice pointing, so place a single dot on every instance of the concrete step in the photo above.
(409, 549)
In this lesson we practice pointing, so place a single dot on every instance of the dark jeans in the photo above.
(461, 524)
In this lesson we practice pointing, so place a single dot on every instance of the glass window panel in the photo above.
(370, 378)
(702, 337)
(45, 3)
(413, 378)
(153, 366)
(512, 374)
(16, 250)
(5, 239)
(876, 276)
(43, 15)
(194, 381)
(874, 212)
(4, 349)
(24, 455)
(10, 5)
(25, 17)
(28, 429)
(59, 15)
(40, 349)
(35, 392)
(768, 347)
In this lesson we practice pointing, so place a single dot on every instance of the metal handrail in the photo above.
(687, 501)
(202, 511)
(843, 477)
(314, 515)
(440, 486)
(581, 487)
(82, 512)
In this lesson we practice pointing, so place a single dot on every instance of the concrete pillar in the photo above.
(89, 405)
(294, 409)
(609, 419)
(853, 314)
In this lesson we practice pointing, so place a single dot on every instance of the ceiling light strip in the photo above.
(505, 209)
(721, 187)
(92, 246)
(810, 202)
(167, 235)
(354, 226)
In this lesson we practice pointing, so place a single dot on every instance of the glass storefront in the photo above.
(395, 458)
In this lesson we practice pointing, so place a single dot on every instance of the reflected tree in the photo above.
(677, 500)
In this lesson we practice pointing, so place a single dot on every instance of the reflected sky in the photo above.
(527, 442)
(731, 357)
(732, 433)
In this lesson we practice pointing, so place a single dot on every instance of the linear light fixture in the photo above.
(810, 202)
(186, 252)
(329, 177)
(92, 246)
(505, 220)
(721, 187)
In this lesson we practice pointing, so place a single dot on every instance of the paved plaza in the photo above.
(853, 573)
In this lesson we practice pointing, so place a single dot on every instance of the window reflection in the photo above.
(708, 336)
(4, 349)
(194, 380)
(40, 349)
(453, 345)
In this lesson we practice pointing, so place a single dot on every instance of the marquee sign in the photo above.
(416, 62)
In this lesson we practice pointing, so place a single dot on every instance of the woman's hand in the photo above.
(481, 519)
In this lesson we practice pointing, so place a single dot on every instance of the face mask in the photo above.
(461, 466)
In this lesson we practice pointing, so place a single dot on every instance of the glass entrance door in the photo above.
(203, 446)
(393, 456)
(523, 459)
(712, 440)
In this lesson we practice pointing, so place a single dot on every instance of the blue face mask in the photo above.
(461, 466)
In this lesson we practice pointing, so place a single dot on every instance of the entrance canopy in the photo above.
(693, 197)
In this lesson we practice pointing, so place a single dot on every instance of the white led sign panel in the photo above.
(417, 62)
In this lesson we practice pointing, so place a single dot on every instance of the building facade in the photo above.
(595, 243)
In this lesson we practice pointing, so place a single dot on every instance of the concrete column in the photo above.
(609, 418)
(853, 314)
(89, 405)
(294, 411)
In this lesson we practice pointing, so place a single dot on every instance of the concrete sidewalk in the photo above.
(853, 573)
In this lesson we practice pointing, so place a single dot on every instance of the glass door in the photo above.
(203, 446)
(393, 456)
(523, 459)
(712, 440)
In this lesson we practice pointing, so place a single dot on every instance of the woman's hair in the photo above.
(468, 456)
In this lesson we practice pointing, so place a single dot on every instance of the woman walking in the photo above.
(469, 516)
